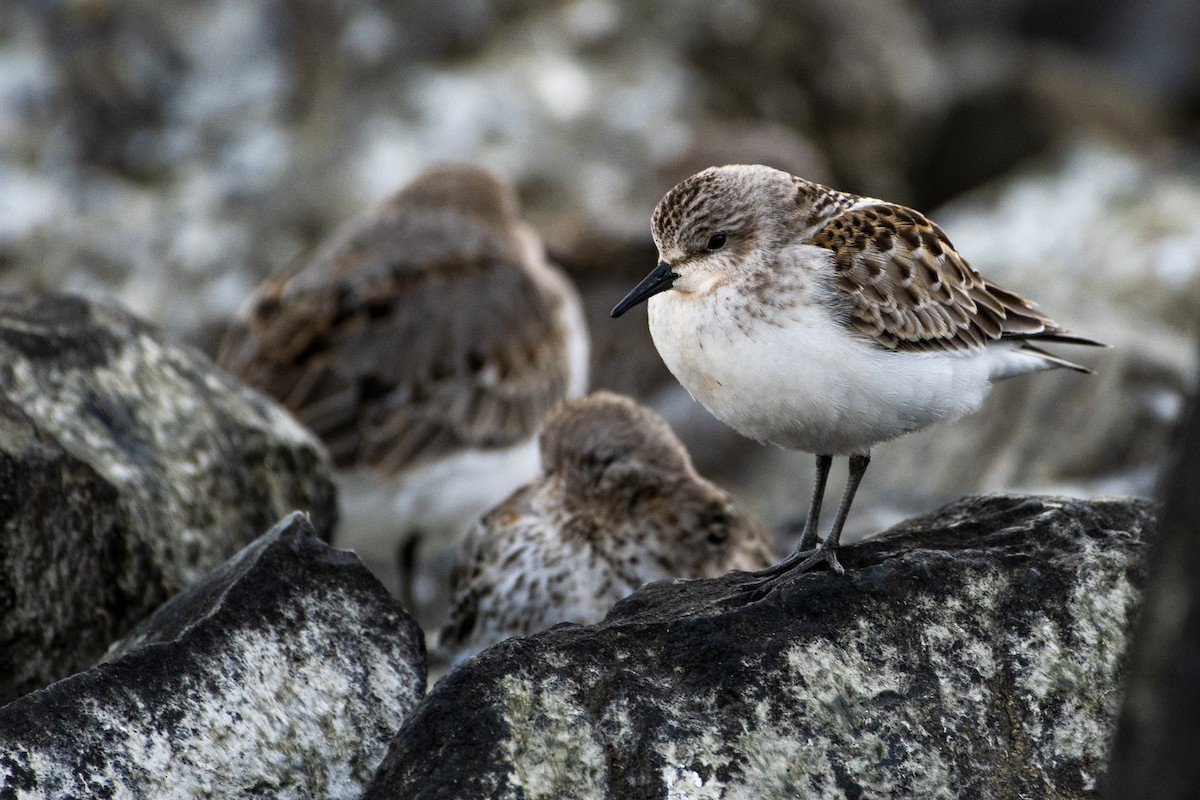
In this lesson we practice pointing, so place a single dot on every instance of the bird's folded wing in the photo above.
(906, 285)
(399, 366)
(498, 548)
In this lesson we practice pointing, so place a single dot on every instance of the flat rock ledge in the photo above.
(285, 673)
(973, 653)
(130, 467)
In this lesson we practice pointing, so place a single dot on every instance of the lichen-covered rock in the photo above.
(972, 653)
(129, 467)
(284, 674)
(1158, 736)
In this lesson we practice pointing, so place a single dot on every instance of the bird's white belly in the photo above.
(440, 500)
(808, 383)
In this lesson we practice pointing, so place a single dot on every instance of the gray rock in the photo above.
(1154, 750)
(973, 653)
(130, 467)
(283, 674)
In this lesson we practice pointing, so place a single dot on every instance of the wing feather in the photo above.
(406, 341)
(909, 289)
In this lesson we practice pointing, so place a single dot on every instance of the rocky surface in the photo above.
(283, 674)
(130, 466)
(975, 652)
(1154, 750)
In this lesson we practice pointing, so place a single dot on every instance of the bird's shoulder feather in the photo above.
(905, 285)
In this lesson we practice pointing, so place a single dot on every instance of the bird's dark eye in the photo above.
(716, 241)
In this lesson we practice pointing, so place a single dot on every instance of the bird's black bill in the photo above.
(657, 281)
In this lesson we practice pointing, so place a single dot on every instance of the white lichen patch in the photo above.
(954, 646)
(850, 711)
(1040, 650)
(1085, 674)
(781, 765)
(1102, 600)
(834, 716)
(555, 750)
(616, 724)
(838, 674)
(684, 784)
(295, 708)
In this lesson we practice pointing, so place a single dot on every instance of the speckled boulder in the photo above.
(1158, 736)
(129, 467)
(973, 653)
(283, 674)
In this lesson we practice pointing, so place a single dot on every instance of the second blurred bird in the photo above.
(619, 505)
(425, 345)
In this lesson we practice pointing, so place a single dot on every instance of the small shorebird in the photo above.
(826, 322)
(425, 345)
(619, 505)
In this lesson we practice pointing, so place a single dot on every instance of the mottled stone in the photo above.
(283, 674)
(1154, 750)
(130, 466)
(975, 652)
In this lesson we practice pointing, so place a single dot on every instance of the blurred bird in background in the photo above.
(424, 345)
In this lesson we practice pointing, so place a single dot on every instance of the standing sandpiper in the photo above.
(826, 322)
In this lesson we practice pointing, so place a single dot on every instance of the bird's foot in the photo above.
(780, 568)
(822, 552)
(802, 560)
(757, 585)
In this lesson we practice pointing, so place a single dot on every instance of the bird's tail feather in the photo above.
(1062, 337)
(1060, 362)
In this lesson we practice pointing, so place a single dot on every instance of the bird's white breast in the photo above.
(440, 499)
(797, 377)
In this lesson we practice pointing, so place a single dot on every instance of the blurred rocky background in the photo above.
(172, 154)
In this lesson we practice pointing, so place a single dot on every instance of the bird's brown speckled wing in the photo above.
(395, 350)
(467, 588)
(910, 289)
(495, 548)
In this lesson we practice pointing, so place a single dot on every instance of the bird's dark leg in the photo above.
(827, 550)
(809, 536)
(407, 555)
(761, 582)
